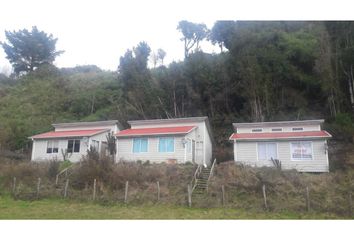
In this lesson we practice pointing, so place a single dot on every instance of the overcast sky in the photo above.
(100, 31)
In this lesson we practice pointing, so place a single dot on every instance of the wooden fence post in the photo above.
(38, 186)
(56, 179)
(126, 192)
(307, 198)
(189, 189)
(66, 188)
(158, 191)
(350, 204)
(264, 196)
(94, 190)
(14, 186)
(223, 195)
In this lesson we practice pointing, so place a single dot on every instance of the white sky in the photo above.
(100, 31)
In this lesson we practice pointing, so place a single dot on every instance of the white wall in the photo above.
(314, 127)
(125, 151)
(112, 127)
(246, 152)
(39, 150)
(200, 134)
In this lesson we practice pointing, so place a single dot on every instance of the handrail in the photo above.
(65, 170)
(212, 169)
(194, 180)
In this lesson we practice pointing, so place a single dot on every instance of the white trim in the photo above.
(204, 148)
(153, 134)
(132, 147)
(326, 144)
(284, 138)
(158, 145)
(235, 151)
(301, 160)
(33, 149)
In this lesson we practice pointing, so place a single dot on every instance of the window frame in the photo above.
(266, 143)
(278, 129)
(140, 138)
(256, 130)
(74, 146)
(297, 129)
(51, 145)
(158, 145)
(297, 159)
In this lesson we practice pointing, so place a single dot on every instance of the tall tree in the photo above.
(27, 50)
(222, 33)
(161, 55)
(193, 34)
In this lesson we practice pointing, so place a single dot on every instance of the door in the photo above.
(199, 152)
(193, 151)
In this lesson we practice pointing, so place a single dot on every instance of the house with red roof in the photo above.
(177, 140)
(74, 138)
(300, 145)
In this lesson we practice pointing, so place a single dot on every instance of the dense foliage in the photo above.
(28, 50)
(265, 71)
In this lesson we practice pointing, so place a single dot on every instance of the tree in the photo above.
(28, 50)
(221, 33)
(161, 55)
(192, 34)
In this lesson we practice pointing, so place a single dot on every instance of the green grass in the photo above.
(69, 209)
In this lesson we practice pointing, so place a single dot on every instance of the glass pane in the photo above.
(49, 147)
(271, 151)
(55, 146)
(70, 146)
(170, 144)
(136, 145)
(262, 151)
(162, 145)
(77, 146)
(296, 151)
(306, 151)
(144, 145)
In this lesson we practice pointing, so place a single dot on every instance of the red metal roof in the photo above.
(280, 135)
(155, 131)
(71, 133)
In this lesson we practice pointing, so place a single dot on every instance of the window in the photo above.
(257, 130)
(52, 146)
(277, 129)
(95, 145)
(266, 151)
(167, 144)
(140, 145)
(301, 150)
(73, 146)
(298, 129)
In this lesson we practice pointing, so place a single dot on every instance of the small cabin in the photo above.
(300, 145)
(177, 140)
(74, 139)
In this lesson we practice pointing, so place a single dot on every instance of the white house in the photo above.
(177, 140)
(300, 145)
(75, 138)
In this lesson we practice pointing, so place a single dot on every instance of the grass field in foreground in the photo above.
(68, 209)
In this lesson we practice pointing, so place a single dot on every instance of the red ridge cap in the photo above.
(69, 133)
(155, 131)
(280, 135)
